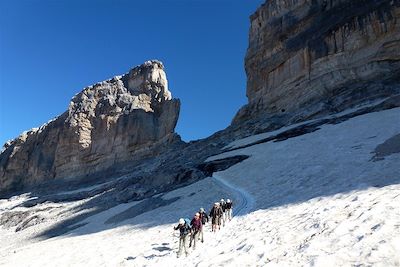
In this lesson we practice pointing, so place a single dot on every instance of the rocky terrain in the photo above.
(309, 58)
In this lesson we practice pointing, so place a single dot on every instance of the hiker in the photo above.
(215, 214)
(203, 215)
(184, 229)
(197, 226)
(204, 220)
(223, 207)
(228, 210)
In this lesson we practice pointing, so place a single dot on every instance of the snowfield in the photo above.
(326, 198)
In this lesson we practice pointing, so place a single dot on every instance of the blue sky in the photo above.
(51, 50)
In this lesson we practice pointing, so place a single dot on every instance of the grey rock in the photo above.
(120, 120)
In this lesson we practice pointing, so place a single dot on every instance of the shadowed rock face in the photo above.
(125, 118)
(307, 57)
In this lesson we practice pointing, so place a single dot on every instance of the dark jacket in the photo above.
(228, 205)
(223, 206)
(196, 224)
(184, 229)
(204, 217)
(216, 212)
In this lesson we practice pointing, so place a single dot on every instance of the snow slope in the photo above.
(319, 199)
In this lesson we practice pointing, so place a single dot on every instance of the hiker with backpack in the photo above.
(184, 232)
(223, 207)
(203, 216)
(228, 210)
(204, 220)
(215, 214)
(196, 226)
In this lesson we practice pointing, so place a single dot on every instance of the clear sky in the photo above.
(51, 50)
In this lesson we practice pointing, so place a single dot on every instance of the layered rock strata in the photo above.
(126, 118)
(307, 57)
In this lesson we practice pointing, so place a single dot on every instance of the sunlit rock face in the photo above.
(307, 57)
(126, 118)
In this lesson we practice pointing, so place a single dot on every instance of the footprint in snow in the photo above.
(152, 256)
(162, 248)
(376, 227)
(241, 247)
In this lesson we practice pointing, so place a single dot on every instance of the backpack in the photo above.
(204, 217)
(187, 223)
(216, 212)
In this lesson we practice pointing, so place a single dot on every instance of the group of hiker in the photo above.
(191, 231)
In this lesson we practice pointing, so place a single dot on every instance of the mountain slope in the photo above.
(325, 198)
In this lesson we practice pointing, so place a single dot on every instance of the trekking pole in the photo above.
(190, 238)
(173, 238)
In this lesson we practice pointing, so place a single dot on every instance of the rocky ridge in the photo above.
(120, 120)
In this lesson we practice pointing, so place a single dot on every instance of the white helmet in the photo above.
(181, 221)
(201, 209)
(222, 200)
(228, 201)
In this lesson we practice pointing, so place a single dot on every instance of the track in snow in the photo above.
(243, 200)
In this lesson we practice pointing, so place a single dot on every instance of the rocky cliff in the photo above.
(126, 118)
(312, 57)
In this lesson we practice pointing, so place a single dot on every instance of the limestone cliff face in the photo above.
(125, 118)
(311, 56)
